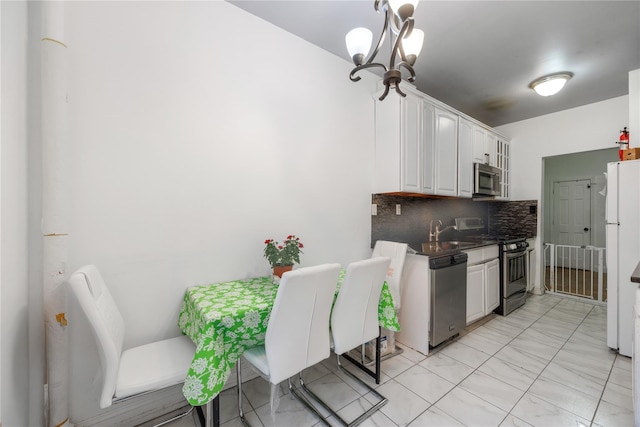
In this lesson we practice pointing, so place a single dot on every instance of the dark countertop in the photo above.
(635, 276)
(444, 248)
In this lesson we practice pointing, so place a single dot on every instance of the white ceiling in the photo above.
(480, 56)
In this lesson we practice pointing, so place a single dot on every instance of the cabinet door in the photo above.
(490, 147)
(531, 268)
(446, 158)
(504, 163)
(411, 158)
(479, 144)
(465, 158)
(492, 285)
(475, 292)
(428, 148)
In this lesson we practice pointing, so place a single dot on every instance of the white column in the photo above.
(55, 205)
(0, 204)
(634, 108)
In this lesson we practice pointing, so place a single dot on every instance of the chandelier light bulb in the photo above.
(358, 44)
(551, 84)
(413, 45)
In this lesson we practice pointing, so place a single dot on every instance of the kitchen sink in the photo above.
(448, 245)
(458, 243)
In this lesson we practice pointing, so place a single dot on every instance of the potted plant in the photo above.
(281, 257)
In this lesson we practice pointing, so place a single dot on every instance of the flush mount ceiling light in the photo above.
(407, 43)
(550, 84)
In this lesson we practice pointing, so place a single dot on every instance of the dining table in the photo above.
(225, 319)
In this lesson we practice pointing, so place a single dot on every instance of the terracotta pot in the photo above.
(279, 270)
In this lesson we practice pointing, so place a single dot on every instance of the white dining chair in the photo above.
(397, 252)
(297, 334)
(134, 371)
(354, 321)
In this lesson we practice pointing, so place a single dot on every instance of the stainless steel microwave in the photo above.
(486, 180)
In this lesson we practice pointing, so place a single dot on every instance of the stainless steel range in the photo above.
(513, 258)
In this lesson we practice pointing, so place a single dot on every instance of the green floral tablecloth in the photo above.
(225, 319)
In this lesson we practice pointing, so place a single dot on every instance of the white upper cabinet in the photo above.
(445, 161)
(429, 130)
(410, 134)
(503, 160)
(398, 152)
(490, 147)
(422, 146)
(465, 158)
(479, 144)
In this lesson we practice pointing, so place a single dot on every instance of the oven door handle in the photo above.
(511, 255)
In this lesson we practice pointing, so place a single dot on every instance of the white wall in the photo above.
(197, 132)
(634, 108)
(0, 216)
(586, 128)
(14, 216)
(590, 127)
(583, 165)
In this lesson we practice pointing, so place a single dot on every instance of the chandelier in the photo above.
(407, 43)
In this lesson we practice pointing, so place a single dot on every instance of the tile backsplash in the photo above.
(416, 213)
(513, 218)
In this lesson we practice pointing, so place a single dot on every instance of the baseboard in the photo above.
(137, 410)
(140, 409)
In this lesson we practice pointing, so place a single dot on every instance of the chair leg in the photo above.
(383, 400)
(305, 401)
(212, 412)
(240, 410)
(177, 417)
(321, 402)
(362, 366)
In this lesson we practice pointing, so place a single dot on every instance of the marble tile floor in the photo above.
(546, 364)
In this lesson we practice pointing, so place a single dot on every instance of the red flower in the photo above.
(286, 253)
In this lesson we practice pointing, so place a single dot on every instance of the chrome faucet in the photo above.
(436, 234)
(432, 234)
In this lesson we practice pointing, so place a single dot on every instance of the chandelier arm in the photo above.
(385, 93)
(353, 73)
(406, 28)
(383, 34)
(399, 91)
(409, 68)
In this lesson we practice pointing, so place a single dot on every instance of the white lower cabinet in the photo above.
(475, 292)
(415, 290)
(483, 282)
(492, 294)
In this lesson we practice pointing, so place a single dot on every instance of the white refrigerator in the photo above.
(623, 251)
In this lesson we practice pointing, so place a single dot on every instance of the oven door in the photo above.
(515, 273)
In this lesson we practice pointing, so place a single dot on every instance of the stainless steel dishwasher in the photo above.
(448, 296)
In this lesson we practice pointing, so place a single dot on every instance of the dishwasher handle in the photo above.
(447, 261)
